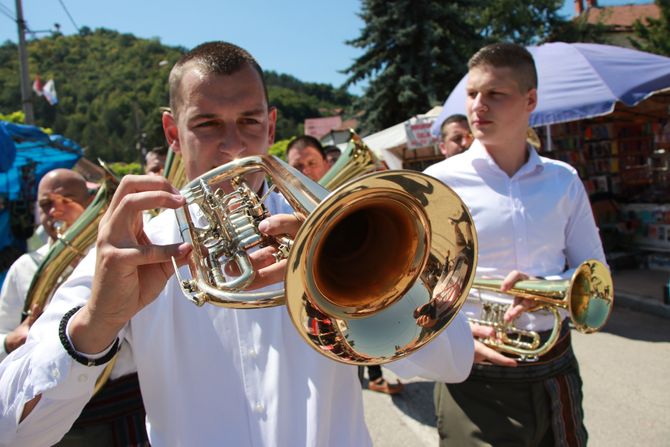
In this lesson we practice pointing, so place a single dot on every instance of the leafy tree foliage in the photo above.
(579, 30)
(279, 148)
(111, 87)
(655, 36)
(415, 52)
(522, 22)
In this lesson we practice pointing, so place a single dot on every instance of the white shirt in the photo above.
(14, 292)
(537, 221)
(209, 376)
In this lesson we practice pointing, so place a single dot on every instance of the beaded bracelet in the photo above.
(70, 349)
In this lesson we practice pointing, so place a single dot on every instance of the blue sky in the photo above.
(304, 38)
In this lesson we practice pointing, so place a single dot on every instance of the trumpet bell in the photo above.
(380, 267)
(590, 296)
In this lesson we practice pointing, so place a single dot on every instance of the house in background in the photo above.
(619, 19)
(330, 130)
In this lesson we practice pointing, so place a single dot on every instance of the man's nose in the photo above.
(231, 143)
(478, 103)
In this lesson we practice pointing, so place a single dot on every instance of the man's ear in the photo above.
(272, 125)
(532, 99)
(171, 131)
(443, 150)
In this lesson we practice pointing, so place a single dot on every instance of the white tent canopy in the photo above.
(388, 143)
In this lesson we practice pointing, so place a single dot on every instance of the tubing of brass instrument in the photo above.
(379, 267)
(588, 296)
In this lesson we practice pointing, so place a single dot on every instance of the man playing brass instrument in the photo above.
(306, 154)
(62, 196)
(532, 217)
(209, 376)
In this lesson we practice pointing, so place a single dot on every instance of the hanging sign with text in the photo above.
(418, 133)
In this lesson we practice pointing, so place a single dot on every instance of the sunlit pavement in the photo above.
(626, 373)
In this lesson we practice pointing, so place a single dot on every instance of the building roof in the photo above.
(318, 127)
(622, 17)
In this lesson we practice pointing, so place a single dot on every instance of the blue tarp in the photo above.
(26, 154)
(579, 81)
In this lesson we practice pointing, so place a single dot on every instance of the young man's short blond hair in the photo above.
(508, 55)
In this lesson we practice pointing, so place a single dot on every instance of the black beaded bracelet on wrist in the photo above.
(70, 349)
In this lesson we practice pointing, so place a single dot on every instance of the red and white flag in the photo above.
(37, 86)
(49, 91)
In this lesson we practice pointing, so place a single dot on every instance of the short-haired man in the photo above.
(154, 161)
(210, 376)
(62, 196)
(533, 218)
(116, 413)
(306, 154)
(455, 135)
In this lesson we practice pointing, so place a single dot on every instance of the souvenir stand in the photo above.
(624, 160)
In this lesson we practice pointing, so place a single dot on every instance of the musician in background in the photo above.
(154, 161)
(532, 217)
(306, 154)
(210, 376)
(455, 135)
(62, 195)
(115, 417)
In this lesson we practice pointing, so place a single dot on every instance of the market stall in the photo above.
(408, 145)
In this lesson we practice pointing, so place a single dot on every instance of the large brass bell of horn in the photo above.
(379, 268)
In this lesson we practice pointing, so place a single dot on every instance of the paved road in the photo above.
(626, 372)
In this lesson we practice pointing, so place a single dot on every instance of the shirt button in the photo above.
(83, 377)
(259, 407)
(55, 373)
(253, 353)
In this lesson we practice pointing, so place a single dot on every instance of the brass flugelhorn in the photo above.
(588, 296)
(379, 267)
(356, 160)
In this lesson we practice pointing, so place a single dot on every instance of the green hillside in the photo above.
(111, 85)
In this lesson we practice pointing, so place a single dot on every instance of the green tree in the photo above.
(415, 52)
(522, 22)
(111, 87)
(579, 30)
(654, 37)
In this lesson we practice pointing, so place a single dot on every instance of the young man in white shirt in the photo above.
(209, 376)
(533, 218)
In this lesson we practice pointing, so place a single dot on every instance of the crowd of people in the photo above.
(182, 375)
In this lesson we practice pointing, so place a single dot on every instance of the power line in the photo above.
(7, 15)
(68, 14)
(4, 10)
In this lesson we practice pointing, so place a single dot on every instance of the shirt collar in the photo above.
(478, 152)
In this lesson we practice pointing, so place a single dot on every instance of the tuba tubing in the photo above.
(356, 160)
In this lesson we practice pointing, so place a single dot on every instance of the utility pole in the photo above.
(26, 98)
